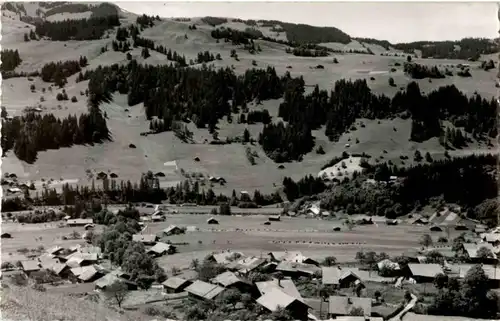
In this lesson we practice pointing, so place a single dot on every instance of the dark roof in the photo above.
(205, 290)
(175, 282)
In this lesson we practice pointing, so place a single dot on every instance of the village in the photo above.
(368, 286)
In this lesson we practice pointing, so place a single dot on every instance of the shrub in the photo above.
(391, 82)
(73, 99)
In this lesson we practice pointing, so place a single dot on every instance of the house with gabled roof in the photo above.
(175, 284)
(340, 276)
(295, 269)
(146, 239)
(470, 252)
(30, 266)
(172, 230)
(423, 273)
(229, 280)
(225, 257)
(108, 279)
(276, 299)
(161, 248)
(79, 222)
(285, 285)
(204, 291)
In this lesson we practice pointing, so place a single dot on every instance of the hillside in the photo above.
(242, 45)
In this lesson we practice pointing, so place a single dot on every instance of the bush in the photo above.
(73, 99)
(391, 82)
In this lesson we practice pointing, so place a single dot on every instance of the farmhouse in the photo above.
(148, 239)
(79, 222)
(295, 269)
(157, 217)
(492, 238)
(470, 252)
(341, 277)
(81, 259)
(109, 279)
(203, 290)
(161, 248)
(175, 284)
(230, 280)
(423, 273)
(247, 264)
(419, 220)
(285, 285)
(55, 250)
(275, 298)
(30, 266)
(172, 230)
(342, 305)
(212, 221)
(60, 269)
(225, 257)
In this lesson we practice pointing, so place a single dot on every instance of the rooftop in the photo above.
(205, 290)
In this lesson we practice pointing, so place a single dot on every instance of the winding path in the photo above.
(407, 308)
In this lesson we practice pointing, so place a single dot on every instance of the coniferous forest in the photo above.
(82, 29)
(10, 60)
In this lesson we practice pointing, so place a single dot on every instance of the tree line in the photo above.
(236, 37)
(57, 72)
(82, 29)
(305, 51)
(31, 133)
(10, 60)
(469, 48)
(198, 94)
(473, 177)
(351, 100)
(171, 55)
(418, 71)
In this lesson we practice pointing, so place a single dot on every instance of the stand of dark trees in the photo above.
(198, 94)
(470, 48)
(417, 71)
(236, 37)
(146, 21)
(350, 100)
(283, 143)
(383, 43)
(171, 55)
(10, 60)
(32, 133)
(57, 72)
(121, 46)
(473, 182)
(304, 34)
(82, 29)
(204, 57)
(309, 50)
(214, 21)
(306, 186)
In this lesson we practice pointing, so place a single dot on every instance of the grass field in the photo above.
(315, 238)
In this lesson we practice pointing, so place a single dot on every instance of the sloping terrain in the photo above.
(229, 161)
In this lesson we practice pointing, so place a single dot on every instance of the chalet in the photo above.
(81, 259)
(340, 277)
(295, 269)
(204, 291)
(230, 280)
(109, 279)
(226, 257)
(212, 221)
(470, 252)
(491, 238)
(248, 264)
(285, 285)
(60, 269)
(79, 222)
(87, 274)
(343, 305)
(161, 248)
(175, 284)
(423, 273)
(148, 239)
(30, 266)
(172, 230)
(275, 299)
(55, 250)
(274, 218)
